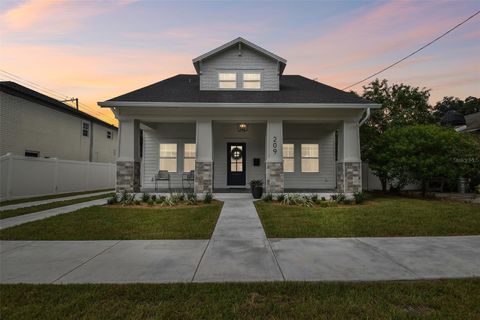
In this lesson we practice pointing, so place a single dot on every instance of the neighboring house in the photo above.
(473, 123)
(239, 118)
(35, 125)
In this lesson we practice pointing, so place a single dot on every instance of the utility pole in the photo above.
(72, 100)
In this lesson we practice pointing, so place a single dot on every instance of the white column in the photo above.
(128, 140)
(204, 157)
(274, 182)
(349, 165)
(128, 161)
(204, 141)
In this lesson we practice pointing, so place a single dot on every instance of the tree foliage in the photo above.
(470, 105)
(420, 153)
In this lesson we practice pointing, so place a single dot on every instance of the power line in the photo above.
(416, 51)
(55, 94)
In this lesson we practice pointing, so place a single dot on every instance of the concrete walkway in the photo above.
(24, 218)
(36, 203)
(239, 251)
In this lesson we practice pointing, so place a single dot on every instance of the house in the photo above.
(35, 125)
(473, 123)
(240, 118)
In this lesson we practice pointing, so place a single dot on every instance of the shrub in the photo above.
(150, 202)
(170, 201)
(281, 197)
(192, 198)
(154, 197)
(268, 197)
(177, 197)
(339, 197)
(124, 196)
(129, 198)
(160, 199)
(208, 197)
(298, 200)
(145, 197)
(314, 198)
(112, 200)
(137, 202)
(323, 199)
(360, 197)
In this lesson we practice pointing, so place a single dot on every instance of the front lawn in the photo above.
(47, 206)
(122, 223)
(441, 299)
(383, 216)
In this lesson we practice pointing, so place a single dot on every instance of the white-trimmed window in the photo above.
(288, 157)
(227, 80)
(189, 157)
(85, 129)
(168, 157)
(252, 80)
(310, 157)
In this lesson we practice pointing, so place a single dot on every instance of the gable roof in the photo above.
(473, 122)
(18, 90)
(185, 88)
(239, 41)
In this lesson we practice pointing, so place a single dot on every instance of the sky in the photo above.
(96, 50)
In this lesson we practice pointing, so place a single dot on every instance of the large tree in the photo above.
(401, 105)
(420, 153)
(470, 105)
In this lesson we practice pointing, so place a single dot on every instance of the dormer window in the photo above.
(227, 80)
(252, 80)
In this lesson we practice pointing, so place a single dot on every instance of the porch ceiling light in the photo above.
(242, 127)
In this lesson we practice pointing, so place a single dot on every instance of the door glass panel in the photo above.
(236, 158)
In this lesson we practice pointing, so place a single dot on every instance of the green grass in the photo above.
(441, 299)
(53, 196)
(112, 223)
(380, 217)
(47, 206)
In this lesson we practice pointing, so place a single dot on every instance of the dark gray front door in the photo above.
(236, 155)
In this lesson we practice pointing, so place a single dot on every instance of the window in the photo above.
(109, 135)
(85, 129)
(227, 80)
(34, 154)
(189, 157)
(309, 157)
(288, 157)
(251, 80)
(168, 157)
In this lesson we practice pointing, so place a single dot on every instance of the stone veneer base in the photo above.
(274, 182)
(128, 176)
(349, 177)
(203, 177)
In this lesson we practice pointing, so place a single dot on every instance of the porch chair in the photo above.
(162, 175)
(188, 177)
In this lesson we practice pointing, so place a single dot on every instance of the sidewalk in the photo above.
(36, 203)
(239, 251)
(13, 221)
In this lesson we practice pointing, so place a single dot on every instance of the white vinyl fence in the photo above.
(27, 176)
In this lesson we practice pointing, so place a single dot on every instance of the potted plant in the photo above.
(256, 186)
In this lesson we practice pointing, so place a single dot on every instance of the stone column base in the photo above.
(128, 176)
(203, 177)
(274, 177)
(349, 177)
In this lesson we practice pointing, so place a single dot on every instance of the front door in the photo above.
(236, 155)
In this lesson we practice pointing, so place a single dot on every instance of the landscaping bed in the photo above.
(435, 299)
(47, 206)
(123, 222)
(380, 216)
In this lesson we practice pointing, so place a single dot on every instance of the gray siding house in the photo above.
(35, 125)
(238, 118)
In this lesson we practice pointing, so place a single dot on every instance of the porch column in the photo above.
(349, 164)
(274, 157)
(128, 161)
(204, 157)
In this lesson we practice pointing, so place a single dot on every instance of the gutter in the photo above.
(367, 116)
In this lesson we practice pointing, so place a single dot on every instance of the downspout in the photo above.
(367, 116)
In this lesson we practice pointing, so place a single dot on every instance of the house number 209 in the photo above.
(274, 145)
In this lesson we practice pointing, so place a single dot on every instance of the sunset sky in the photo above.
(97, 50)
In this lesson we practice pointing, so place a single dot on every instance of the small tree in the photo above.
(423, 152)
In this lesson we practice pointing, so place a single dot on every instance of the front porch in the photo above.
(290, 156)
